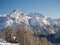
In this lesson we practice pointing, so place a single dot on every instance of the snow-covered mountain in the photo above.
(38, 23)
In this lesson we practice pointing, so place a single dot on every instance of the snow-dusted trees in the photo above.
(10, 34)
(25, 37)
(1, 33)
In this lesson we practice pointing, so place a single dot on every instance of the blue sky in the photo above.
(49, 8)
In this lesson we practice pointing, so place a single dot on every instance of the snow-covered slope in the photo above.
(38, 23)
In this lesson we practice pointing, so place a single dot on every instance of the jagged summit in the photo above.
(16, 10)
(16, 14)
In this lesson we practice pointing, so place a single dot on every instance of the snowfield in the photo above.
(9, 43)
(3, 42)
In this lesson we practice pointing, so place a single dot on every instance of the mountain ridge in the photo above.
(35, 21)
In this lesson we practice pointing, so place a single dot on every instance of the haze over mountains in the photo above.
(35, 22)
